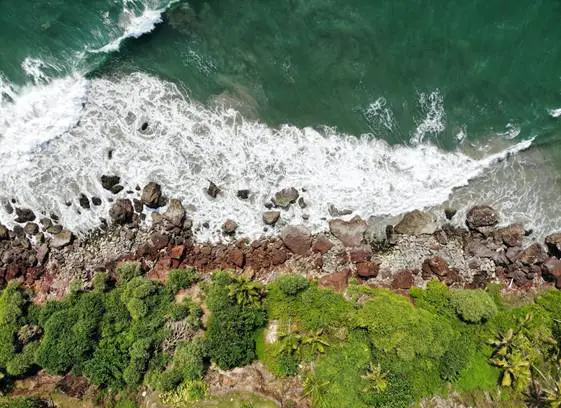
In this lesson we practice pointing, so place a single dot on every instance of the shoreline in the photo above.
(397, 252)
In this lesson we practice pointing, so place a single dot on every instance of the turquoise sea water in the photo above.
(466, 77)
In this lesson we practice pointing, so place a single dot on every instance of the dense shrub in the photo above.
(23, 402)
(473, 306)
(128, 270)
(292, 284)
(181, 279)
(456, 358)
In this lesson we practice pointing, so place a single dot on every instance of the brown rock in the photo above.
(229, 227)
(403, 280)
(159, 240)
(278, 256)
(175, 212)
(435, 265)
(31, 228)
(551, 269)
(61, 239)
(367, 269)
(533, 255)
(297, 238)
(151, 195)
(361, 254)
(337, 281)
(415, 223)
(350, 233)
(121, 211)
(553, 243)
(236, 257)
(322, 244)
(481, 216)
(4, 232)
(271, 217)
(511, 236)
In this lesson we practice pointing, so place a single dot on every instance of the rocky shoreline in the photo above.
(394, 252)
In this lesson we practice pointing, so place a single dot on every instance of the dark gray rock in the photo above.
(212, 190)
(481, 216)
(243, 194)
(84, 202)
(121, 212)
(96, 201)
(151, 195)
(108, 182)
(24, 215)
(31, 228)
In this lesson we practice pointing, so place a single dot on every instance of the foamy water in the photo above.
(66, 144)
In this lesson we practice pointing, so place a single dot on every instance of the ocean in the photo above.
(376, 107)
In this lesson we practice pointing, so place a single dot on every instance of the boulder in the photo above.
(350, 233)
(337, 281)
(271, 217)
(243, 194)
(4, 232)
(229, 227)
(403, 280)
(535, 254)
(96, 201)
(137, 204)
(54, 229)
(367, 269)
(553, 243)
(511, 236)
(435, 265)
(449, 213)
(61, 239)
(322, 244)
(551, 269)
(46, 223)
(175, 212)
(335, 212)
(121, 211)
(31, 228)
(212, 190)
(108, 182)
(151, 195)
(297, 238)
(24, 215)
(481, 216)
(415, 223)
(84, 201)
(117, 189)
(285, 197)
(159, 240)
(301, 203)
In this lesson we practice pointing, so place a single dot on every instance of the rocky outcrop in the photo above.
(297, 239)
(416, 222)
(481, 216)
(121, 212)
(350, 233)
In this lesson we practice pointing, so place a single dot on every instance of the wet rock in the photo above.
(42, 254)
(285, 197)
(144, 126)
(8, 207)
(175, 212)
(138, 206)
(24, 215)
(415, 223)
(96, 201)
(117, 189)
(39, 238)
(337, 280)
(4, 233)
(435, 265)
(151, 195)
(511, 236)
(350, 233)
(553, 243)
(18, 231)
(297, 238)
(229, 227)
(322, 244)
(481, 216)
(212, 190)
(302, 203)
(108, 182)
(243, 194)
(61, 239)
(403, 280)
(54, 229)
(271, 217)
(535, 254)
(121, 211)
(367, 269)
(46, 223)
(335, 212)
(84, 202)
(551, 269)
(449, 213)
(31, 228)
(159, 240)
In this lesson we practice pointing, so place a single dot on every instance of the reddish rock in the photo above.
(367, 269)
(361, 254)
(297, 238)
(435, 265)
(337, 281)
(13, 271)
(452, 277)
(511, 236)
(533, 255)
(159, 240)
(403, 280)
(551, 270)
(350, 233)
(278, 257)
(236, 257)
(177, 252)
(553, 243)
(322, 244)
(481, 216)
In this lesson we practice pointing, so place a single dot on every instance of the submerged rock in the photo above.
(84, 202)
(243, 194)
(96, 201)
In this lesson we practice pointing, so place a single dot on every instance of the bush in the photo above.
(189, 357)
(128, 270)
(291, 285)
(456, 358)
(13, 303)
(473, 305)
(22, 402)
(100, 281)
(181, 279)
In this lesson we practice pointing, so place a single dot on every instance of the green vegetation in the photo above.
(372, 348)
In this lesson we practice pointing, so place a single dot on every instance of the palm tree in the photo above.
(377, 380)
(245, 292)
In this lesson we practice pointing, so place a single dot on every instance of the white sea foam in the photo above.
(555, 113)
(380, 112)
(185, 145)
(434, 116)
